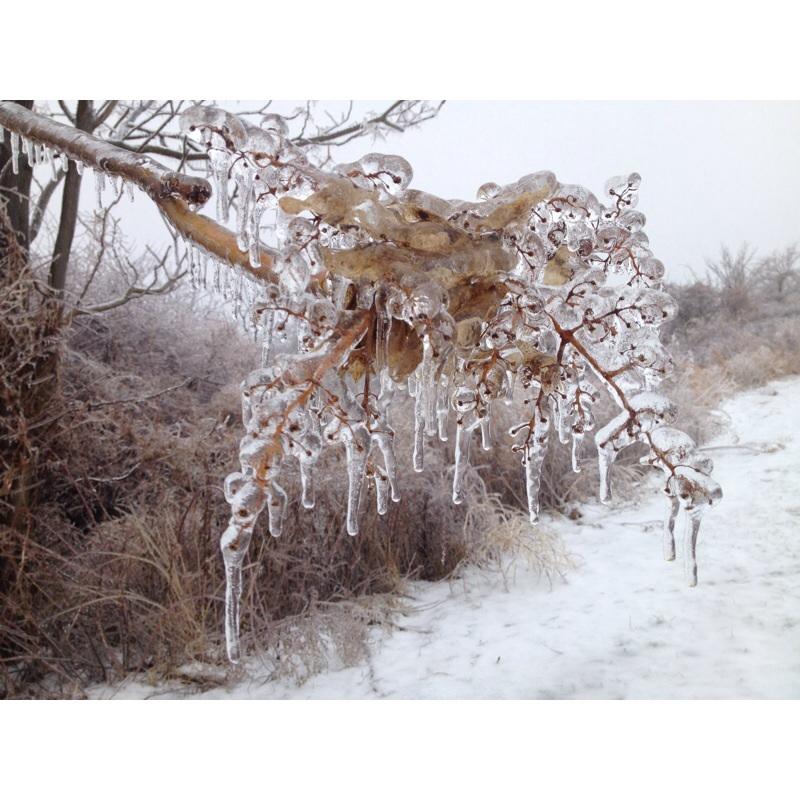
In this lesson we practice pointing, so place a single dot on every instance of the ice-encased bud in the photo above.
(276, 124)
(621, 185)
(393, 174)
(262, 145)
(488, 191)
(202, 122)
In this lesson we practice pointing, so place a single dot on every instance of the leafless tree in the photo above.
(779, 272)
(733, 275)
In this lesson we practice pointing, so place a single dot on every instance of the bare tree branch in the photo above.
(104, 113)
(67, 113)
(396, 117)
(43, 201)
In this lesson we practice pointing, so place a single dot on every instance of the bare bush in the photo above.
(733, 277)
(737, 327)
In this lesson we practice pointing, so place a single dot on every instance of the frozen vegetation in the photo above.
(515, 322)
(623, 624)
(364, 289)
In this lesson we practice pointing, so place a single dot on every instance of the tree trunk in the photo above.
(15, 196)
(29, 345)
(70, 201)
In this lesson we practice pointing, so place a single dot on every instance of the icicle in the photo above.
(99, 184)
(269, 330)
(387, 333)
(380, 340)
(419, 428)
(605, 458)
(427, 379)
(563, 419)
(129, 191)
(30, 151)
(533, 476)
(577, 439)
(669, 529)
(259, 207)
(63, 162)
(192, 267)
(463, 435)
(247, 500)
(276, 507)
(442, 407)
(244, 183)
(381, 492)
(79, 167)
(465, 403)
(55, 161)
(385, 443)
(234, 545)
(508, 399)
(308, 449)
(486, 434)
(533, 453)
(693, 519)
(307, 484)
(226, 283)
(218, 163)
(356, 450)
(14, 142)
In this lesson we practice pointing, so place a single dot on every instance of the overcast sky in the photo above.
(713, 172)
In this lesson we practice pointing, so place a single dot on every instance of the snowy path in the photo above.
(624, 625)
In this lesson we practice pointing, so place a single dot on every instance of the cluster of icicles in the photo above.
(38, 154)
(536, 295)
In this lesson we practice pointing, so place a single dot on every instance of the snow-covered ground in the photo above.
(624, 624)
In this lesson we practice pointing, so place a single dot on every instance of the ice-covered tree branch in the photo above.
(174, 193)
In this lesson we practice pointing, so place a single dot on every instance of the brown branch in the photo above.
(315, 370)
(214, 238)
(144, 398)
(336, 135)
(67, 113)
(41, 204)
(104, 113)
(166, 152)
(70, 202)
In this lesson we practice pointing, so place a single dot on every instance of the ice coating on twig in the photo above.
(538, 294)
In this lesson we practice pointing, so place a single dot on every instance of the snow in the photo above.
(623, 624)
